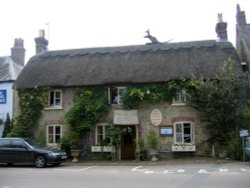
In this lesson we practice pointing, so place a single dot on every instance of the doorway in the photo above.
(128, 146)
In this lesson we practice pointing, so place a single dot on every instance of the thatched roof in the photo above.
(127, 64)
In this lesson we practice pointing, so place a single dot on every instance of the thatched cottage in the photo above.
(178, 125)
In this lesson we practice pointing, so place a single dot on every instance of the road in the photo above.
(205, 175)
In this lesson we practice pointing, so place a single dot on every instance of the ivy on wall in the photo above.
(151, 93)
(90, 104)
(31, 102)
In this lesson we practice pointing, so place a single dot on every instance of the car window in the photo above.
(4, 143)
(18, 144)
(33, 143)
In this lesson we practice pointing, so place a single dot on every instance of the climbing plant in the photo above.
(90, 104)
(31, 102)
(149, 93)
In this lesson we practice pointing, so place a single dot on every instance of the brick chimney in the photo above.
(18, 52)
(41, 42)
(240, 17)
(221, 29)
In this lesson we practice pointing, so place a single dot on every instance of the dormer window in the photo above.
(116, 94)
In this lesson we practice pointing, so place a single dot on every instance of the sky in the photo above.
(71, 24)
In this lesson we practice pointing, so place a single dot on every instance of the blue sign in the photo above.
(3, 96)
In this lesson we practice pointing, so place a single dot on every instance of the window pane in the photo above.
(50, 139)
(178, 97)
(58, 130)
(4, 143)
(58, 137)
(58, 102)
(179, 138)
(114, 95)
(58, 94)
(178, 128)
(51, 103)
(122, 92)
(51, 131)
(187, 132)
(99, 130)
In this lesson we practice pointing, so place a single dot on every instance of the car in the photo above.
(27, 150)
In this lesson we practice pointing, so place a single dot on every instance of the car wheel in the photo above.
(40, 161)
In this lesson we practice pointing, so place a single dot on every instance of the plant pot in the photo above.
(75, 155)
(154, 155)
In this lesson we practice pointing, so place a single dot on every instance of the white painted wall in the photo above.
(7, 107)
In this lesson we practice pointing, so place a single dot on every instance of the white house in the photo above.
(10, 67)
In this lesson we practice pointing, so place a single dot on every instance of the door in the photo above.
(20, 152)
(5, 151)
(128, 145)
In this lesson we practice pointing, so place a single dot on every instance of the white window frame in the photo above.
(118, 98)
(104, 129)
(54, 143)
(192, 133)
(180, 98)
(54, 104)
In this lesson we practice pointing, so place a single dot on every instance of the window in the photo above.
(54, 134)
(116, 94)
(181, 97)
(18, 144)
(4, 143)
(101, 135)
(183, 133)
(55, 98)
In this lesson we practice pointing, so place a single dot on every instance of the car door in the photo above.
(5, 151)
(21, 152)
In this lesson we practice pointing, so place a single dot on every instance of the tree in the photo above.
(221, 104)
(7, 126)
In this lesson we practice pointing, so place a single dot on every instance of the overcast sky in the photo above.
(70, 24)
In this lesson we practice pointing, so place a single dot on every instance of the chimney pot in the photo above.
(41, 42)
(221, 28)
(41, 33)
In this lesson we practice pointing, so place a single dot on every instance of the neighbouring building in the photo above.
(117, 68)
(243, 38)
(10, 68)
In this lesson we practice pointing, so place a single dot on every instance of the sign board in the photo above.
(125, 117)
(244, 133)
(166, 131)
(156, 117)
(3, 96)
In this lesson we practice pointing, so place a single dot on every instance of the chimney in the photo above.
(221, 29)
(18, 52)
(240, 17)
(41, 42)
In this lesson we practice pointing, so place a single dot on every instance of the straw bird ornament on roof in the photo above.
(151, 38)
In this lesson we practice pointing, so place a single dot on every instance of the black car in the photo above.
(26, 150)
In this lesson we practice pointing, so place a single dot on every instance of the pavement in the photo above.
(178, 161)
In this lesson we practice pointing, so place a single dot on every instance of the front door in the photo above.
(128, 145)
